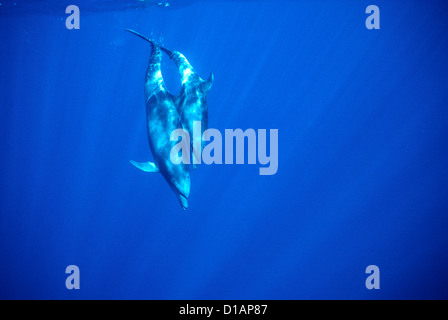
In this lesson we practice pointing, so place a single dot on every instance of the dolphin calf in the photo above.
(162, 118)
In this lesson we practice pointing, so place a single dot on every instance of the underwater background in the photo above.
(363, 151)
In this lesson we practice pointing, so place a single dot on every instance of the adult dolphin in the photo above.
(192, 101)
(162, 119)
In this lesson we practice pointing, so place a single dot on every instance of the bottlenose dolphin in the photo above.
(192, 101)
(162, 118)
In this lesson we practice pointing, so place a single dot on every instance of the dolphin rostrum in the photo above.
(163, 118)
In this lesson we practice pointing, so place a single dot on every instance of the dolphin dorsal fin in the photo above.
(146, 166)
(207, 85)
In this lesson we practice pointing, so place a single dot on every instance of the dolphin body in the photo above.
(192, 101)
(162, 118)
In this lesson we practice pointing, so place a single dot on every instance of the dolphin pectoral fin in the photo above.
(146, 166)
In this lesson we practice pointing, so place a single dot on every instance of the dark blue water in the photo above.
(363, 152)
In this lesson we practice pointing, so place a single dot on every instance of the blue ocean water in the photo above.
(363, 172)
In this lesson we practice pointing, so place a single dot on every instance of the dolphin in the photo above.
(162, 118)
(192, 101)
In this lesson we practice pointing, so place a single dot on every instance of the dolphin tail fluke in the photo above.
(140, 35)
(146, 166)
(168, 52)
